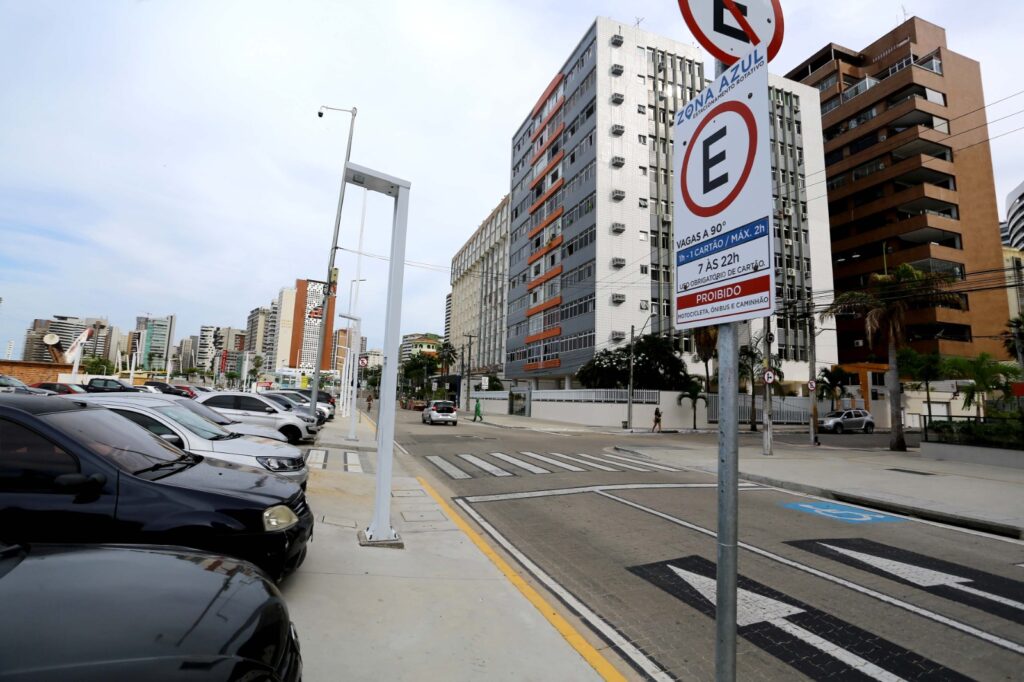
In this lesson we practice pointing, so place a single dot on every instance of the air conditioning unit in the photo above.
(618, 336)
(617, 69)
(618, 98)
(618, 299)
(618, 161)
(789, 243)
(618, 129)
(796, 108)
(883, 138)
(645, 305)
(618, 194)
(617, 40)
(787, 211)
(618, 262)
(858, 343)
(666, 219)
(790, 272)
(618, 228)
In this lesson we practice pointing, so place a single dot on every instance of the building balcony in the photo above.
(919, 229)
(914, 200)
(856, 264)
(907, 83)
(907, 171)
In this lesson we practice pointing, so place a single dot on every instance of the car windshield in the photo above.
(834, 415)
(11, 382)
(280, 400)
(205, 411)
(129, 446)
(298, 398)
(201, 426)
(72, 388)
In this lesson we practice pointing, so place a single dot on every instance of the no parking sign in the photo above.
(723, 223)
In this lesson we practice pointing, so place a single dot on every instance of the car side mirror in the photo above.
(173, 439)
(78, 482)
(271, 410)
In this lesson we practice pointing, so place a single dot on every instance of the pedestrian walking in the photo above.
(657, 420)
(369, 402)
(478, 413)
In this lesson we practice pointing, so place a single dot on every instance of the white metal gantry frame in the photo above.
(380, 530)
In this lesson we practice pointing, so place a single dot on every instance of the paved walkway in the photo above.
(439, 609)
(974, 495)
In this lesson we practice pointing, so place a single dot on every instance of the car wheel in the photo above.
(869, 428)
(293, 435)
(837, 429)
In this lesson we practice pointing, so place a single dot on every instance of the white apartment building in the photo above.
(479, 282)
(284, 320)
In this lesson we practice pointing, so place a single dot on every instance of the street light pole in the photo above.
(334, 251)
(469, 369)
(353, 333)
(629, 398)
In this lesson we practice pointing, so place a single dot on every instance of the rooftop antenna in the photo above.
(639, 20)
(905, 15)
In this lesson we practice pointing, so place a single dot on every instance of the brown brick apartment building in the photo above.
(909, 180)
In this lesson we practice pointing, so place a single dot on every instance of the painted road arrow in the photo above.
(815, 643)
(990, 593)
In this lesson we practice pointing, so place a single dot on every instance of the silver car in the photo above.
(321, 405)
(440, 412)
(841, 421)
(253, 408)
(188, 431)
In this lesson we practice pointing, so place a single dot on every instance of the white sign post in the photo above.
(485, 383)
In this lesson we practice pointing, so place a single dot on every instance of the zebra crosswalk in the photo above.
(464, 466)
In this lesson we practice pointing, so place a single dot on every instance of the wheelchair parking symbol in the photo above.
(842, 512)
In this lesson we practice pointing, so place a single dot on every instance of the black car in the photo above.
(76, 473)
(106, 612)
(164, 387)
(100, 385)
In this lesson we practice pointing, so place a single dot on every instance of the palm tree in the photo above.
(832, 384)
(924, 368)
(447, 356)
(705, 341)
(986, 375)
(692, 391)
(752, 366)
(884, 305)
(257, 365)
(1013, 338)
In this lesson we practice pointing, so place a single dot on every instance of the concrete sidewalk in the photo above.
(439, 609)
(970, 495)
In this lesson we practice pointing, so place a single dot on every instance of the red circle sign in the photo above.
(748, 118)
(716, 51)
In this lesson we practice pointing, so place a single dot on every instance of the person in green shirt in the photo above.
(478, 413)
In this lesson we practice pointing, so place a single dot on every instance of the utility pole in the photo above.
(629, 398)
(469, 368)
(767, 445)
(462, 375)
(813, 372)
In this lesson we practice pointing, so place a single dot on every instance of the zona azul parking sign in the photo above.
(723, 224)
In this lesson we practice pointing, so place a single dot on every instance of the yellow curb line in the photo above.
(591, 655)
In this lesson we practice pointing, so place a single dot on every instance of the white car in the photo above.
(295, 402)
(440, 412)
(149, 389)
(253, 408)
(321, 405)
(198, 435)
(222, 420)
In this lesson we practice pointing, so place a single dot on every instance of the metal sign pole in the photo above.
(728, 501)
(767, 447)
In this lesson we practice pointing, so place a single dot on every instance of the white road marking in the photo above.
(753, 608)
(485, 465)
(642, 463)
(618, 464)
(447, 467)
(583, 461)
(352, 463)
(532, 468)
(923, 577)
(553, 462)
(597, 488)
(596, 622)
(893, 601)
(316, 459)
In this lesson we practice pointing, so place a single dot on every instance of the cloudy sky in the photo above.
(164, 156)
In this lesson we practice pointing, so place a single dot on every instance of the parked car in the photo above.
(103, 385)
(222, 420)
(320, 395)
(150, 390)
(293, 403)
(71, 471)
(188, 389)
(321, 405)
(59, 389)
(195, 434)
(9, 384)
(440, 412)
(164, 387)
(253, 408)
(200, 389)
(118, 612)
(847, 420)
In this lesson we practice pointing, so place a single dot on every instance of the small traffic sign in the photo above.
(769, 376)
(364, 362)
(485, 383)
(812, 384)
(724, 204)
(729, 28)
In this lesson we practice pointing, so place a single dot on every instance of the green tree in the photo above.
(256, 368)
(232, 377)
(924, 368)
(832, 383)
(1013, 337)
(692, 391)
(752, 367)
(417, 370)
(656, 366)
(705, 341)
(372, 376)
(447, 356)
(986, 376)
(883, 305)
(97, 365)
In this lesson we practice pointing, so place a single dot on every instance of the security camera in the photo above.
(320, 114)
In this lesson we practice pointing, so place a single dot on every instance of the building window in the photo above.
(643, 171)
(642, 139)
(641, 109)
(643, 271)
(643, 203)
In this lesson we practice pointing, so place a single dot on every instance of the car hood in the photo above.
(237, 480)
(108, 605)
(254, 446)
(254, 430)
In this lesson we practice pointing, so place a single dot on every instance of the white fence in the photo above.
(784, 410)
(489, 395)
(596, 395)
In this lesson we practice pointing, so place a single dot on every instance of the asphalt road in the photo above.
(828, 592)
